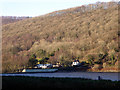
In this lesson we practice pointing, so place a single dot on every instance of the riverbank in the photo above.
(17, 82)
(88, 69)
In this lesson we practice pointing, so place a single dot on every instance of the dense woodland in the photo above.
(88, 33)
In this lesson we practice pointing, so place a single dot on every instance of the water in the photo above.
(90, 75)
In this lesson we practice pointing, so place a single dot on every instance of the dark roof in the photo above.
(76, 60)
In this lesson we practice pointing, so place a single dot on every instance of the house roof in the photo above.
(76, 60)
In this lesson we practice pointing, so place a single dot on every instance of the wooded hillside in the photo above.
(88, 33)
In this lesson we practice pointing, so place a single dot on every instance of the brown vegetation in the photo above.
(67, 34)
(12, 19)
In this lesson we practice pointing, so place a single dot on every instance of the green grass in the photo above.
(38, 82)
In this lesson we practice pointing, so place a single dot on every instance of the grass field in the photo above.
(38, 82)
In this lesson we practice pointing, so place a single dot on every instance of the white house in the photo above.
(76, 63)
(43, 66)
